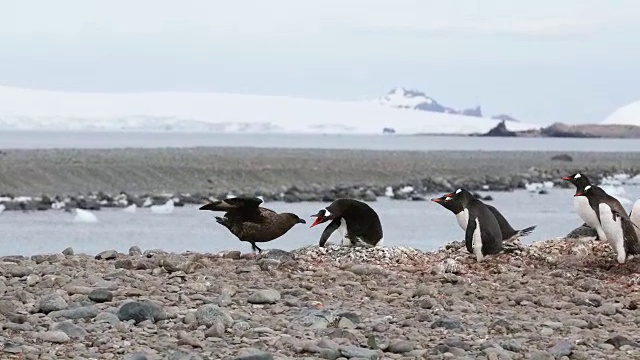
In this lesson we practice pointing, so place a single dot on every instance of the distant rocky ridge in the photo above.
(614, 131)
(413, 99)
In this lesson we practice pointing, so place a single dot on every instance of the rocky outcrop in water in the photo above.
(500, 130)
(585, 131)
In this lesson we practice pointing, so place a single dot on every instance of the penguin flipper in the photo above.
(468, 235)
(326, 234)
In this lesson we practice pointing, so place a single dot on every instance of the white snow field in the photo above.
(626, 115)
(31, 109)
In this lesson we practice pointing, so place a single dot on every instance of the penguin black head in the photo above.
(578, 179)
(323, 215)
(446, 201)
(461, 195)
(586, 191)
(442, 199)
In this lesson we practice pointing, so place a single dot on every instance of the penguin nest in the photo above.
(342, 255)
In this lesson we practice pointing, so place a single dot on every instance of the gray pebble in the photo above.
(84, 312)
(400, 346)
(447, 323)
(254, 354)
(52, 302)
(107, 255)
(209, 314)
(562, 348)
(135, 251)
(269, 296)
(69, 328)
(101, 295)
(54, 336)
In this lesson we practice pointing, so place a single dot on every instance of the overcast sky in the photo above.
(540, 61)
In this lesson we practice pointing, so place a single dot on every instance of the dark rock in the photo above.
(135, 251)
(562, 157)
(107, 255)
(566, 131)
(582, 231)
(500, 130)
(140, 311)
(619, 340)
(101, 295)
(68, 251)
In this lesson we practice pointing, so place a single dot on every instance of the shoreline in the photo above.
(551, 299)
(92, 178)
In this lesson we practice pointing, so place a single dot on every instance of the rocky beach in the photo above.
(558, 299)
(95, 178)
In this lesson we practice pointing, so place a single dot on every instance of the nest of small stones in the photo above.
(562, 254)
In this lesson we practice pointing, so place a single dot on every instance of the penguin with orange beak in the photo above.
(357, 222)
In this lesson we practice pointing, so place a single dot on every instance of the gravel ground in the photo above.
(557, 299)
(70, 172)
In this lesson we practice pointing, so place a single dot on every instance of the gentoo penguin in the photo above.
(581, 204)
(616, 224)
(482, 233)
(355, 220)
(634, 215)
(462, 216)
(250, 222)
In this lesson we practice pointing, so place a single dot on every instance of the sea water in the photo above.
(420, 224)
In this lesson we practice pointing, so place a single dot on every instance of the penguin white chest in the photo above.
(477, 242)
(586, 212)
(342, 230)
(588, 215)
(612, 228)
(635, 217)
(463, 219)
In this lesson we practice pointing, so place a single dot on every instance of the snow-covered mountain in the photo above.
(416, 100)
(29, 109)
(412, 99)
(626, 115)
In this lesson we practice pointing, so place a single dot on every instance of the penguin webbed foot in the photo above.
(359, 243)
